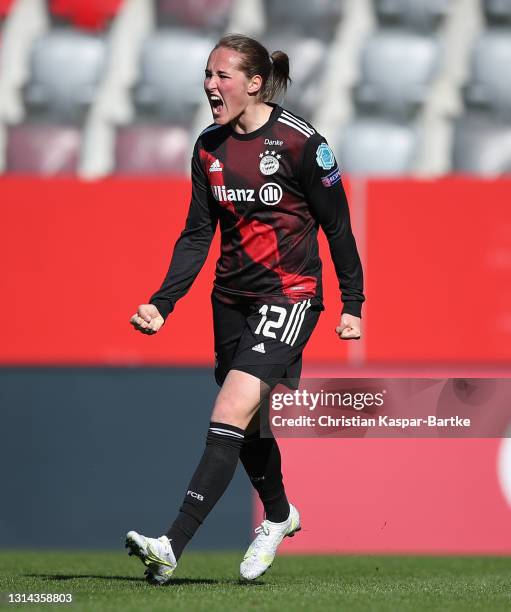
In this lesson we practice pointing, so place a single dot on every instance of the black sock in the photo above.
(261, 460)
(211, 478)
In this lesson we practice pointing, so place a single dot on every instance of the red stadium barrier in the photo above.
(438, 270)
(437, 258)
(399, 496)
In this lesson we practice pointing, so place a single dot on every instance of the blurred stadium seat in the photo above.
(152, 150)
(5, 7)
(482, 146)
(498, 11)
(396, 69)
(307, 59)
(171, 75)
(88, 14)
(200, 14)
(44, 150)
(66, 67)
(415, 14)
(317, 18)
(488, 87)
(377, 147)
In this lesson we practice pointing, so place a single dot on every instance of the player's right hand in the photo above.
(147, 319)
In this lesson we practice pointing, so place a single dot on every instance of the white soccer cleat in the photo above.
(156, 554)
(262, 551)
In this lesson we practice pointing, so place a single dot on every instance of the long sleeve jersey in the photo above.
(269, 190)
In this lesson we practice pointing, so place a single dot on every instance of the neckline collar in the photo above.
(271, 120)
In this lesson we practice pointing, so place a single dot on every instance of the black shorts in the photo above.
(266, 341)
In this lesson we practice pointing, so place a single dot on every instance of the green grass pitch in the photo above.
(110, 581)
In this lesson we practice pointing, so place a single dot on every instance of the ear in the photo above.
(255, 84)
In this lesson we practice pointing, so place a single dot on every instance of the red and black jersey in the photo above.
(270, 191)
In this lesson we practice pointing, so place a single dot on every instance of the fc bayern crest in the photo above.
(269, 163)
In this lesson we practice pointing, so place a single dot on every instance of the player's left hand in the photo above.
(349, 327)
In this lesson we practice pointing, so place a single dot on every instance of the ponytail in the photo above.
(276, 85)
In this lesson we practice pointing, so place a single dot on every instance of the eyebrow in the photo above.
(219, 72)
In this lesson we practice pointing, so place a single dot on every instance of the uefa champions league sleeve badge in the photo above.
(325, 157)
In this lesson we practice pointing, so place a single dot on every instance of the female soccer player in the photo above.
(270, 180)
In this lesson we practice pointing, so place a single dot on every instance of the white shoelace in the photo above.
(263, 528)
(258, 543)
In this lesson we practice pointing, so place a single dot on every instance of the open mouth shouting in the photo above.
(217, 105)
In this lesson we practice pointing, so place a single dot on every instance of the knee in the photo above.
(233, 410)
(227, 410)
(238, 399)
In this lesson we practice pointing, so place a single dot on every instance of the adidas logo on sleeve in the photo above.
(259, 348)
(215, 166)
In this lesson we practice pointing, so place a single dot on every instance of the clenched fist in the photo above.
(147, 319)
(349, 327)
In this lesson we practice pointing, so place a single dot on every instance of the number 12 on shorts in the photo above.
(291, 317)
